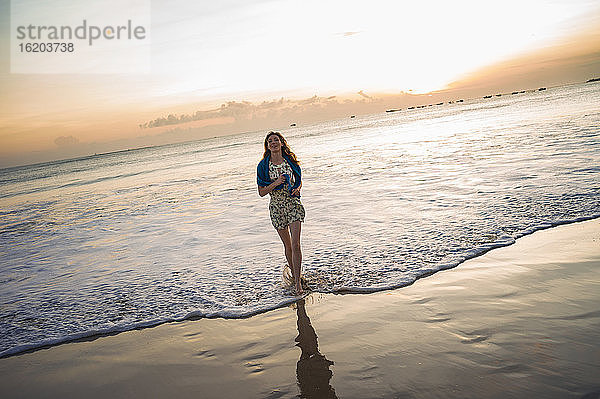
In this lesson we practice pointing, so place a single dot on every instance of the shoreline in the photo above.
(517, 321)
(196, 315)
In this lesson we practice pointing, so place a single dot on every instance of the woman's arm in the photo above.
(262, 191)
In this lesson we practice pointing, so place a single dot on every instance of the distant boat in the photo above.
(541, 89)
(352, 116)
(487, 96)
(411, 107)
(293, 124)
(498, 95)
(460, 101)
(393, 110)
(515, 92)
(439, 103)
(593, 80)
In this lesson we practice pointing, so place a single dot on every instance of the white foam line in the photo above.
(474, 253)
(225, 314)
(243, 314)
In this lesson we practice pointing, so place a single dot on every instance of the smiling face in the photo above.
(276, 143)
(273, 143)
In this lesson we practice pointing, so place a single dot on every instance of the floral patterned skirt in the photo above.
(285, 209)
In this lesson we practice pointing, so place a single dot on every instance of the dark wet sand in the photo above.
(519, 322)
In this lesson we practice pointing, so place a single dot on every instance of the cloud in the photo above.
(365, 95)
(66, 141)
(247, 111)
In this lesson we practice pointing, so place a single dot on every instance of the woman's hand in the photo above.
(262, 191)
(279, 180)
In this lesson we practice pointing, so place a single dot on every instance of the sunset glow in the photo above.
(205, 54)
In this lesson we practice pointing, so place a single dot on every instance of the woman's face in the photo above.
(273, 143)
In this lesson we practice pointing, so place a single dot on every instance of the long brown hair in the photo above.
(285, 148)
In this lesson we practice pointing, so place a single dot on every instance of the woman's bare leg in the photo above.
(284, 234)
(295, 229)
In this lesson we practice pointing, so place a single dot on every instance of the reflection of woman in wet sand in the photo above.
(312, 370)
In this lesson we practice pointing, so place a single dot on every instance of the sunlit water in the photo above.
(136, 238)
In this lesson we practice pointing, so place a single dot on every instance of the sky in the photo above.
(242, 65)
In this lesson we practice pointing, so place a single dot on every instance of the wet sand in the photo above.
(519, 322)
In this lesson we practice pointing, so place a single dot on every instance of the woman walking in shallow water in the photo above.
(279, 175)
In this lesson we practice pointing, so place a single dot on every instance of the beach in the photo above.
(126, 240)
(519, 321)
(442, 196)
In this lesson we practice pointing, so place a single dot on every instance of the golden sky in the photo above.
(250, 54)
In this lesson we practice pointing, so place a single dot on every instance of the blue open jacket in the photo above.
(263, 179)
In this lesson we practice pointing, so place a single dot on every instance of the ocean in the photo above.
(132, 239)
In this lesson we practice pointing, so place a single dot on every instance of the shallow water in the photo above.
(136, 238)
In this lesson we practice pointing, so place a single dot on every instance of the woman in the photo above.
(279, 175)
